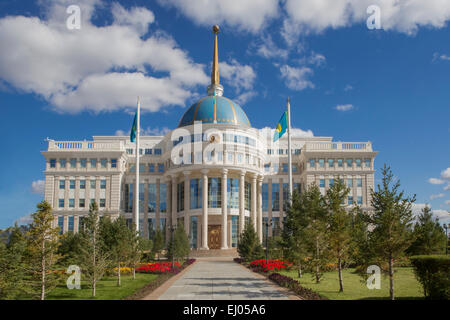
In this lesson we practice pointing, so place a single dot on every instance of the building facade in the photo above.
(212, 174)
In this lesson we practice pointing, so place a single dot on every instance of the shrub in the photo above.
(433, 273)
(294, 285)
(249, 247)
(238, 260)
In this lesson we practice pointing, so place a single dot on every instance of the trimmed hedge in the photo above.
(433, 273)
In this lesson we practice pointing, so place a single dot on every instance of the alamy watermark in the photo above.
(74, 280)
(73, 22)
(373, 281)
(374, 20)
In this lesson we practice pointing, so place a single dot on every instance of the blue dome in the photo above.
(215, 109)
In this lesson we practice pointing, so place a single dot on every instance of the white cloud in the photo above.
(344, 107)
(442, 215)
(244, 97)
(437, 196)
(306, 16)
(145, 132)
(38, 187)
(25, 220)
(248, 15)
(447, 188)
(240, 77)
(316, 59)
(295, 132)
(269, 50)
(446, 173)
(96, 68)
(435, 181)
(297, 78)
(348, 88)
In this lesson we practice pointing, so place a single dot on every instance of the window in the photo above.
(367, 163)
(52, 163)
(151, 197)
(60, 224)
(331, 183)
(349, 163)
(92, 201)
(234, 231)
(129, 151)
(322, 183)
(230, 157)
(359, 182)
(62, 163)
(247, 159)
(148, 151)
(72, 184)
(83, 163)
(285, 167)
(132, 168)
(350, 183)
(162, 197)
(93, 163)
(161, 167)
(129, 197)
(331, 163)
(62, 184)
(70, 223)
(195, 193)
(276, 167)
(71, 203)
(103, 163)
(276, 197)
(294, 168)
(247, 195)
(82, 184)
(350, 199)
(340, 163)
(296, 151)
(233, 192)
(92, 184)
(214, 193)
(103, 184)
(151, 167)
(158, 151)
(73, 163)
(280, 151)
(102, 203)
(61, 203)
(239, 157)
(312, 163)
(193, 232)
(359, 199)
(113, 163)
(321, 163)
(180, 197)
(269, 151)
(141, 167)
(358, 163)
(81, 203)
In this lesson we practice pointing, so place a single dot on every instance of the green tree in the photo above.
(137, 245)
(248, 246)
(390, 223)
(42, 246)
(339, 225)
(428, 234)
(12, 254)
(316, 235)
(158, 243)
(295, 248)
(69, 248)
(115, 236)
(179, 248)
(92, 256)
(360, 251)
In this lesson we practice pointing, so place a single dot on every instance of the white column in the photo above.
(224, 210)
(260, 227)
(205, 210)
(241, 201)
(186, 201)
(253, 203)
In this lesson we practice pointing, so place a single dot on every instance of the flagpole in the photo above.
(289, 147)
(136, 196)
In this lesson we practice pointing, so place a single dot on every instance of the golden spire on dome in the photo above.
(215, 87)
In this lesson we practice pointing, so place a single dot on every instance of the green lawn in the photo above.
(107, 288)
(406, 285)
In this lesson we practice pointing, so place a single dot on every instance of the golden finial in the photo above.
(215, 66)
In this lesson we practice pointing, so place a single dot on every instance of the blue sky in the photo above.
(388, 86)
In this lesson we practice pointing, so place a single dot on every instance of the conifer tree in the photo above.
(42, 246)
(158, 243)
(248, 246)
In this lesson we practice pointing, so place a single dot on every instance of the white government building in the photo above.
(184, 173)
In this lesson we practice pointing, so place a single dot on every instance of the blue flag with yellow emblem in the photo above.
(133, 129)
(281, 127)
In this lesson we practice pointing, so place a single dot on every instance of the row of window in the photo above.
(339, 163)
(283, 151)
(218, 156)
(155, 151)
(152, 195)
(275, 167)
(151, 167)
(349, 182)
(81, 203)
(92, 184)
(93, 163)
(276, 195)
(227, 137)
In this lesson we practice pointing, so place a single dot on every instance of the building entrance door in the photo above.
(214, 235)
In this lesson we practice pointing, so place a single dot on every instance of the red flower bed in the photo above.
(261, 265)
(157, 267)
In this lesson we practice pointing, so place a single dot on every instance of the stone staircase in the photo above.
(196, 253)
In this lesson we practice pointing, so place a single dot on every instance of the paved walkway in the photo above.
(222, 279)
